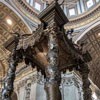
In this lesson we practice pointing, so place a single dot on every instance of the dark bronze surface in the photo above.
(53, 75)
(60, 54)
(84, 71)
(9, 81)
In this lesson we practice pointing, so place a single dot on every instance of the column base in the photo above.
(53, 91)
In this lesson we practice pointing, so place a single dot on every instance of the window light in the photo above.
(90, 3)
(9, 21)
(37, 6)
(72, 12)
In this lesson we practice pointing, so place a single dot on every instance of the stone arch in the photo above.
(91, 39)
(7, 30)
(88, 29)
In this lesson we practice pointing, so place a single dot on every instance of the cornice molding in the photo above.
(84, 20)
(24, 7)
(78, 21)
(86, 13)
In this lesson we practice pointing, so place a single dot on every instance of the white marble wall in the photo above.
(40, 93)
(21, 95)
(33, 91)
(70, 93)
(71, 88)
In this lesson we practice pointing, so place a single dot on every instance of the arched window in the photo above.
(30, 2)
(89, 3)
(37, 6)
(72, 12)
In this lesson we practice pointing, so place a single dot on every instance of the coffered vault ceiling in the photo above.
(92, 43)
(9, 23)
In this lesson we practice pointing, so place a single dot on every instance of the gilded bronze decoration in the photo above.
(51, 51)
(13, 62)
(84, 71)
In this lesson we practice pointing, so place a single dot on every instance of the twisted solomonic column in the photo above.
(86, 83)
(52, 72)
(9, 80)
